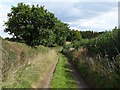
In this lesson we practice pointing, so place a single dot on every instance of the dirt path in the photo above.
(76, 75)
(45, 82)
(49, 75)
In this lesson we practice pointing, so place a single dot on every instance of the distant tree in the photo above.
(89, 34)
(74, 35)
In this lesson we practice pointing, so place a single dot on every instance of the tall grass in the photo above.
(99, 72)
(98, 59)
(23, 66)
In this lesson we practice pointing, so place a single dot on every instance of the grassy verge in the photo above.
(62, 77)
(99, 72)
(24, 66)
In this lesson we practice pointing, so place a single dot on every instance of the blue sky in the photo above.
(95, 15)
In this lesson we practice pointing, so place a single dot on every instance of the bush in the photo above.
(66, 48)
(106, 44)
(101, 65)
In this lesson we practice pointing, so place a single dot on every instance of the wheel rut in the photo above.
(77, 77)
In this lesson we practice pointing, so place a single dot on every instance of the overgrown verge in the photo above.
(98, 71)
(98, 59)
(62, 77)
(24, 66)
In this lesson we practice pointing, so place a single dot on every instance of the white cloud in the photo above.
(105, 21)
(101, 22)
(75, 28)
(74, 12)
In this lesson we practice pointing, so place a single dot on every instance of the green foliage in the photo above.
(61, 31)
(98, 71)
(90, 34)
(101, 65)
(24, 66)
(62, 77)
(75, 44)
(66, 48)
(106, 44)
(79, 44)
(35, 25)
(74, 35)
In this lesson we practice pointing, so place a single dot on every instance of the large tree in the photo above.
(33, 24)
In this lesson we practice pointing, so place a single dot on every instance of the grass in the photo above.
(98, 71)
(62, 77)
(23, 66)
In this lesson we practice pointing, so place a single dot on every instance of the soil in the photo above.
(45, 82)
(77, 77)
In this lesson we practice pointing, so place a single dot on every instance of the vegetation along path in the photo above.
(77, 77)
(45, 81)
(66, 76)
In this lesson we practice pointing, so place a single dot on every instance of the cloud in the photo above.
(73, 11)
(105, 21)
(79, 14)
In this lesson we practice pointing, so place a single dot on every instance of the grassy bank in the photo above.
(62, 77)
(99, 72)
(23, 66)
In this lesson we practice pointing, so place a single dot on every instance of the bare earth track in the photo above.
(46, 81)
(77, 77)
(49, 75)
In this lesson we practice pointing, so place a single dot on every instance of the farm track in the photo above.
(46, 81)
(77, 77)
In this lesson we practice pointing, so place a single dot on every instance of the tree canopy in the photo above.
(35, 25)
(74, 35)
(90, 34)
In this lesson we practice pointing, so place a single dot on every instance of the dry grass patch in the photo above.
(24, 66)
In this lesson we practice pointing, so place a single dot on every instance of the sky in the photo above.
(95, 15)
